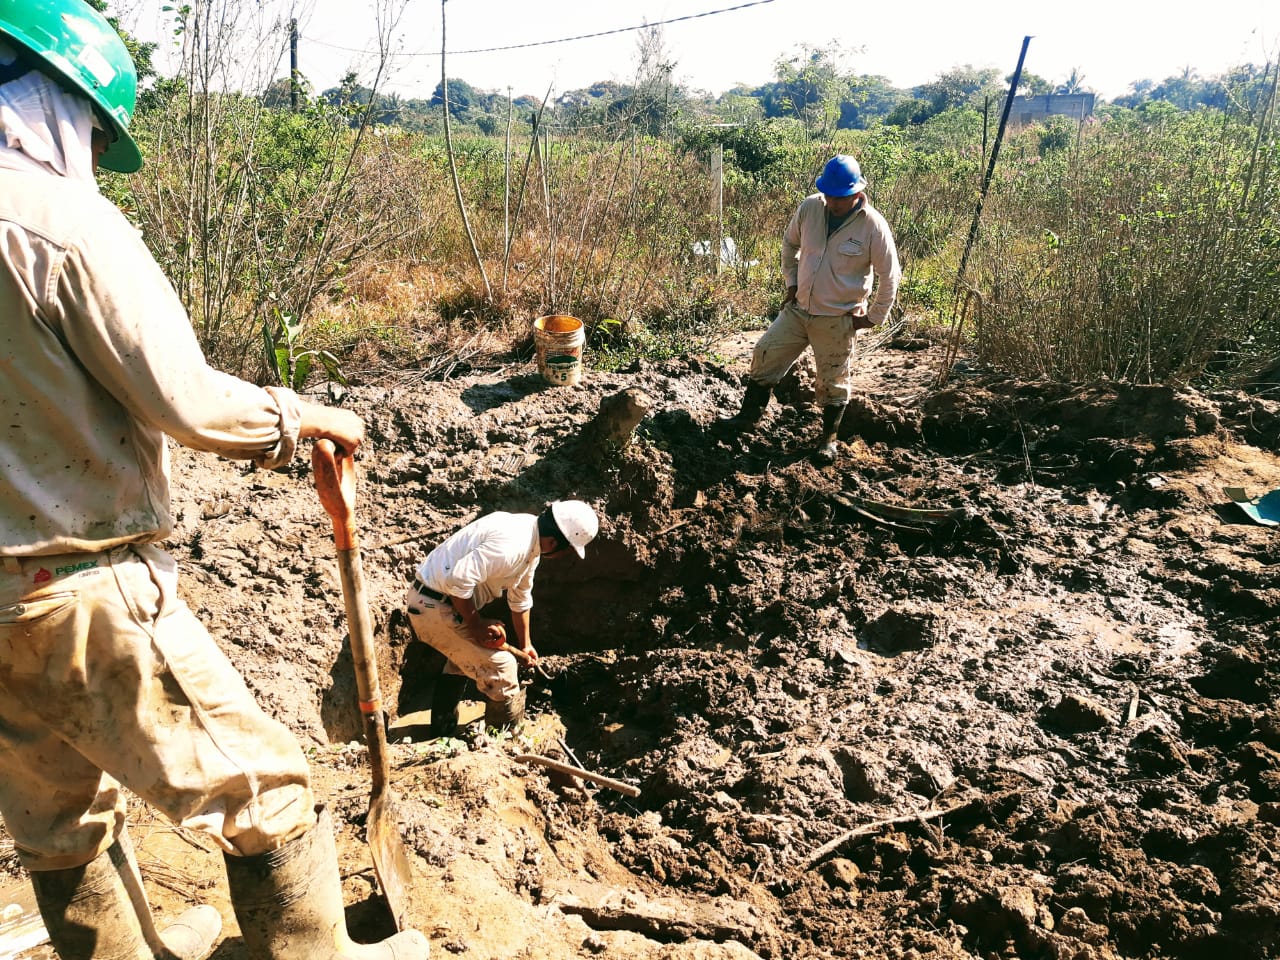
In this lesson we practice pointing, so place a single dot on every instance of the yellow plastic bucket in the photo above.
(558, 340)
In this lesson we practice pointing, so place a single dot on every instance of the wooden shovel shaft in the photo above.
(335, 483)
(363, 656)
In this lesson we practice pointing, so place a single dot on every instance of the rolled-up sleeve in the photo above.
(520, 595)
(125, 323)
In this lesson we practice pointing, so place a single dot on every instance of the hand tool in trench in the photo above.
(335, 478)
(519, 654)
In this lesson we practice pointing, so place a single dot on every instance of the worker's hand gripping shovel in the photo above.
(336, 484)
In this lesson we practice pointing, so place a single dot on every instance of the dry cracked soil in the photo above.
(1039, 722)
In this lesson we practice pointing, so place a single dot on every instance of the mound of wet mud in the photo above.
(1038, 723)
(1044, 730)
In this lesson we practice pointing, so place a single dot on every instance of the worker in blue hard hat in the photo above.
(836, 250)
(107, 679)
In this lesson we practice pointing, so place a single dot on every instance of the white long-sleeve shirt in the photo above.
(833, 275)
(98, 362)
(497, 553)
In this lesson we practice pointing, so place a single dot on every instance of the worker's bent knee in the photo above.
(285, 815)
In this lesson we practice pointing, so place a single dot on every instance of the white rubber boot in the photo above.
(505, 714)
(289, 904)
(100, 912)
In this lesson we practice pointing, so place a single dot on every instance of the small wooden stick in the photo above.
(829, 848)
(624, 788)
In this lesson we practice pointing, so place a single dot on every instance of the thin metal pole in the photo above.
(957, 317)
(293, 65)
(991, 163)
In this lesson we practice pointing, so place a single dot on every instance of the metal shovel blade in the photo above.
(336, 483)
(390, 862)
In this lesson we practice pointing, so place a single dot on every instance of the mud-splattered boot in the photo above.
(825, 453)
(444, 704)
(505, 714)
(289, 904)
(100, 910)
(754, 402)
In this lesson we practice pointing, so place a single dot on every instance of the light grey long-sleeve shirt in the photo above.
(834, 275)
(98, 363)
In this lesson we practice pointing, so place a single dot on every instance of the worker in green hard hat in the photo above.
(107, 680)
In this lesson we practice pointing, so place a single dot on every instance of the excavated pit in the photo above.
(1044, 726)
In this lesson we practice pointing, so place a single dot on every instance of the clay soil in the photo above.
(1044, 726)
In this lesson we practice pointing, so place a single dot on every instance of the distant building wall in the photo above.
(1028, 110)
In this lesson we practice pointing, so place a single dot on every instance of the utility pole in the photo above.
(293, 65)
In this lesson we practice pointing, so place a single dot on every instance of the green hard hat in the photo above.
(77, 44)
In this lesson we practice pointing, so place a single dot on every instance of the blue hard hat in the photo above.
(841, 177)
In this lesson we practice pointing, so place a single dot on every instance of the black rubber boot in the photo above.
(289, 904)
(444, 704)
(505, 714)
(825, 453)
(754, 402)
(100, 911)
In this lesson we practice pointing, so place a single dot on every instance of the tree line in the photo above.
(811, 87)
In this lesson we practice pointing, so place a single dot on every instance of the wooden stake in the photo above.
(624, 788)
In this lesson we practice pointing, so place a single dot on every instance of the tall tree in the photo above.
(809, 86)
(1031, 85)
(463, 98)
(958, 87)
(1073, 84)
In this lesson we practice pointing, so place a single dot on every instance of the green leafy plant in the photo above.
(290, 365)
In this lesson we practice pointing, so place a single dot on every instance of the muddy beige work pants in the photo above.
(438, 625)
(106, 678)
(833, 341)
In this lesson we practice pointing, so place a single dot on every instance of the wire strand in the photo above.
(545, 43)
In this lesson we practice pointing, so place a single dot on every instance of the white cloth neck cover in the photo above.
(42, 127)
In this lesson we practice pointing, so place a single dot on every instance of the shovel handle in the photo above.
(518, 653)
(335, 475)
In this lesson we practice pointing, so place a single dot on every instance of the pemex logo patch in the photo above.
(43, 576)
(75, 567)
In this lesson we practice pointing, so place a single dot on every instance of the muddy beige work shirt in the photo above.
(833, 275)
(98, 362)
(499, 552)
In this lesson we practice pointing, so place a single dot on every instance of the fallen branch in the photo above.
(921, 816)
(675, 526)
(624, 788)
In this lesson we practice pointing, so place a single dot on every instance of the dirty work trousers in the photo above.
(833, 340)
(438, 625)
(107, 679)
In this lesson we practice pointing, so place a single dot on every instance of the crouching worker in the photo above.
(497, 553)
(107, 680)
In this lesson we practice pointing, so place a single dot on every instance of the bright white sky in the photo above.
(1112, 42)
